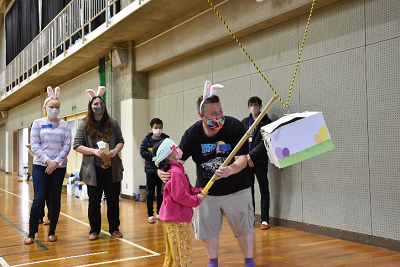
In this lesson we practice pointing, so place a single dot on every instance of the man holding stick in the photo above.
(209, 142)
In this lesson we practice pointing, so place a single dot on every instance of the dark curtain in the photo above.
(29, 21)
(13, 33)
(50, 9)
(29, 26)
(22, 22)
(101, 18)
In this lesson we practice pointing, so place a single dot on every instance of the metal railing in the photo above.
(70, 26)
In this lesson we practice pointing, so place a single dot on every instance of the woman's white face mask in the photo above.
(52, 112)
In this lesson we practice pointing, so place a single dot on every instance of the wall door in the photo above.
(74, 158)
(15, 153)
(3, 145)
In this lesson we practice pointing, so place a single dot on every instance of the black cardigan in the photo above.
(258, 151)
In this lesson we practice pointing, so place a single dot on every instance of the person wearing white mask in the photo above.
(153, 182)
(50, 144)
(257, 158)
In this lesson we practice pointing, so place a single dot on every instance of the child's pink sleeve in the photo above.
(195, 191)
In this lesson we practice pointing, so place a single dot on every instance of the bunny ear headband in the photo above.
(52, 95)
(100, 92)
(209, 90)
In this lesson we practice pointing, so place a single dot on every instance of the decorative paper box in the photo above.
(296, 137)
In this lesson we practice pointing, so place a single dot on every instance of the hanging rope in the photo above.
(255, 65)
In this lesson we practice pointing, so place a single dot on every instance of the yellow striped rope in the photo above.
(255, 65)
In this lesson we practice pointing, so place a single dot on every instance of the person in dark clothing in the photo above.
(257, 158)
(48, 204)
(209, 143)
(153, 182)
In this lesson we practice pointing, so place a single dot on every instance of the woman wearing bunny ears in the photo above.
(50, 144)
(99, 139)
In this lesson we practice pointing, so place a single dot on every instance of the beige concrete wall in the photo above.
(24, 115)
(73, 93)
(133, 126)
(348, 71)
(206, 31)
(126, 82)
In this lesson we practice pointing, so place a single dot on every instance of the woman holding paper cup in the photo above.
(99, 139)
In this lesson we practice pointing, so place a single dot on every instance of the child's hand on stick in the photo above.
(202, 196)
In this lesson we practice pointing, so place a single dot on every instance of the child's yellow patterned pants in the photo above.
(179, 244)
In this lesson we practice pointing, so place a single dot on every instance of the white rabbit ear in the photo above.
(101, 91)
(206, 92)
(90, 92)
(57, 92)
(50, 92)
(214, 88)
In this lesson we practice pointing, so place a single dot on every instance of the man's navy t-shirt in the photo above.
(210, 152)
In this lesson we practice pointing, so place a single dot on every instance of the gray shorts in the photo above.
(238, 209)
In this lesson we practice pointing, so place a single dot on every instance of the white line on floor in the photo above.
(107, 233)
(3, 262)
(62, 258)
(104, 232)
(107, 262)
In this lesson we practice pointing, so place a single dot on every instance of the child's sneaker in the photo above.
(157, 216)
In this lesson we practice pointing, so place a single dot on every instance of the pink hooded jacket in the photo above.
(179, 197)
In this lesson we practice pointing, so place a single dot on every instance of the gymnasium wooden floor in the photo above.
(143, 244)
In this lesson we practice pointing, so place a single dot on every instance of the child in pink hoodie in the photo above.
(177, 208)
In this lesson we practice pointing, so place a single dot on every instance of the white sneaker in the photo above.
(157, 216)
(151, 219)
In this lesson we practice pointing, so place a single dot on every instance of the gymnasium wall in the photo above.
(349, 71)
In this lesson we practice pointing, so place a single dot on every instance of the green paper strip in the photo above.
(306, 153)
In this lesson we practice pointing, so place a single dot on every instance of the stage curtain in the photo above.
(13, 31)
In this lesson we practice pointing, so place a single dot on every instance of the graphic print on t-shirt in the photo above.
(220, 150)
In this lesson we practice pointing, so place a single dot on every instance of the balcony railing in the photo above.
(73, 23)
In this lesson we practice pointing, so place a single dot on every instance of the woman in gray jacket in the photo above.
(99, 139)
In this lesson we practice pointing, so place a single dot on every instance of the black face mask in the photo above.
(99, 110)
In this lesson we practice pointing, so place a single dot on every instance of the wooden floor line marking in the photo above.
(105, 232)
(3, 262)
(62, 258)
(108, 262)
